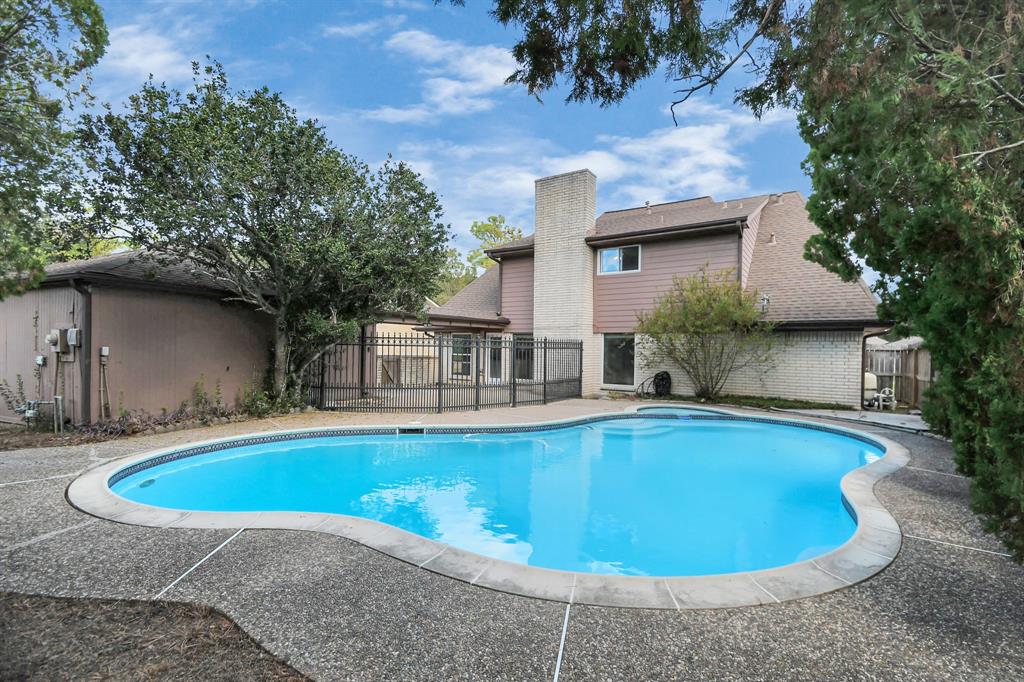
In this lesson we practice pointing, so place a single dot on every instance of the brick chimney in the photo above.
(563, 265)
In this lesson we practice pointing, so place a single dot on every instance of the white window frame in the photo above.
(618, 387)
(639, 260)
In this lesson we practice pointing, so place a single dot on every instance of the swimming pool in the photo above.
(671, 492)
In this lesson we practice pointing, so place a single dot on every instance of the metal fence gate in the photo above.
(451, 371)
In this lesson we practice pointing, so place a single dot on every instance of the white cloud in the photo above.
(459, 79)
(704, 157)
(136, 52)
(406, 4)
(363, 29)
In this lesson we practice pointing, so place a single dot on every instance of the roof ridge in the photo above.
(78, 262)
(661, 203)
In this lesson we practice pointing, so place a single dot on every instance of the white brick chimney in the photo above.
(563, 266)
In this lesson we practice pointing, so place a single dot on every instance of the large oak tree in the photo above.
(237, 185)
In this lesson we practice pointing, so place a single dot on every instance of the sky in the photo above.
(425, 84)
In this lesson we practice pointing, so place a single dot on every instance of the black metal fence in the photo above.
(451, 371)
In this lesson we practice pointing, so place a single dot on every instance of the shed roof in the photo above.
(909, 343)
(138, 268)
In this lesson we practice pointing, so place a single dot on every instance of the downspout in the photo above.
(499, 286)
(85, 397)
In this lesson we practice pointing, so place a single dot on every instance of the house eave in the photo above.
(829, 325)
(671, 232)
(451, 321)
(66, 279)
(499, 253)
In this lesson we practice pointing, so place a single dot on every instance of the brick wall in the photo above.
(563, 268)
(821, 366)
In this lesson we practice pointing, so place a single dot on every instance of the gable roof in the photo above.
(800, 291)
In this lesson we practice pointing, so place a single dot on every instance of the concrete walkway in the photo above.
(951, 606)
(896, 420)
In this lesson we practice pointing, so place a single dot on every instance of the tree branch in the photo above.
(981, 155)
(714, 78)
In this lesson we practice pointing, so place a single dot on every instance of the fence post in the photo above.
(513, 377)
(579, 370)
(544, 374)
(362, 362)
(323, 381)
(440, 371)
(478, 340)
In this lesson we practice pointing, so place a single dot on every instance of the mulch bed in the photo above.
(56, 638)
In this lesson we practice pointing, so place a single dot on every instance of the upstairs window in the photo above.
(619, 259)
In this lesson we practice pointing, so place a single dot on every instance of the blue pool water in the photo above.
(640, 496)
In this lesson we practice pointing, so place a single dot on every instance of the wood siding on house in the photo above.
(162, 343)
(24, 323)
(619, 297)
(517, 293)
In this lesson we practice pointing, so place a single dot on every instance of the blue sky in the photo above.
(425, 84)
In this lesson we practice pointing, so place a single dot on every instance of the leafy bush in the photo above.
(13, 397)
(259, 402)
(709, 326)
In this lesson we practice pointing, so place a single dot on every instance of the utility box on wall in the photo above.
(64, 342)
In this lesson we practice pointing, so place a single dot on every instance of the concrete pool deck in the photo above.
(950, 606)
(872, 547)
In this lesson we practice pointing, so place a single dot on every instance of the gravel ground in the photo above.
(950, 607)
(51, 638)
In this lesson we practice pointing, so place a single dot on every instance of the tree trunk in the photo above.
(281, 348)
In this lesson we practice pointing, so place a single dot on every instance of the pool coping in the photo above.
(873, 546)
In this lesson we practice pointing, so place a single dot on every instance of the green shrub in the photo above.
(709, 326)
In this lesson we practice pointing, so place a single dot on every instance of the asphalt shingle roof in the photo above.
(699, 211)
(674, 214)
(479, 299)
(135, 266)
(799, 290)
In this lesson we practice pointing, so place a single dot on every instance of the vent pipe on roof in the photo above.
(776, 198)
(647, 204)
(771, 239)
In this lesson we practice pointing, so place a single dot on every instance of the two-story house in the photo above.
(587, 277)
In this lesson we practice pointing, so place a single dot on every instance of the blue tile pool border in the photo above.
(405, 431)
